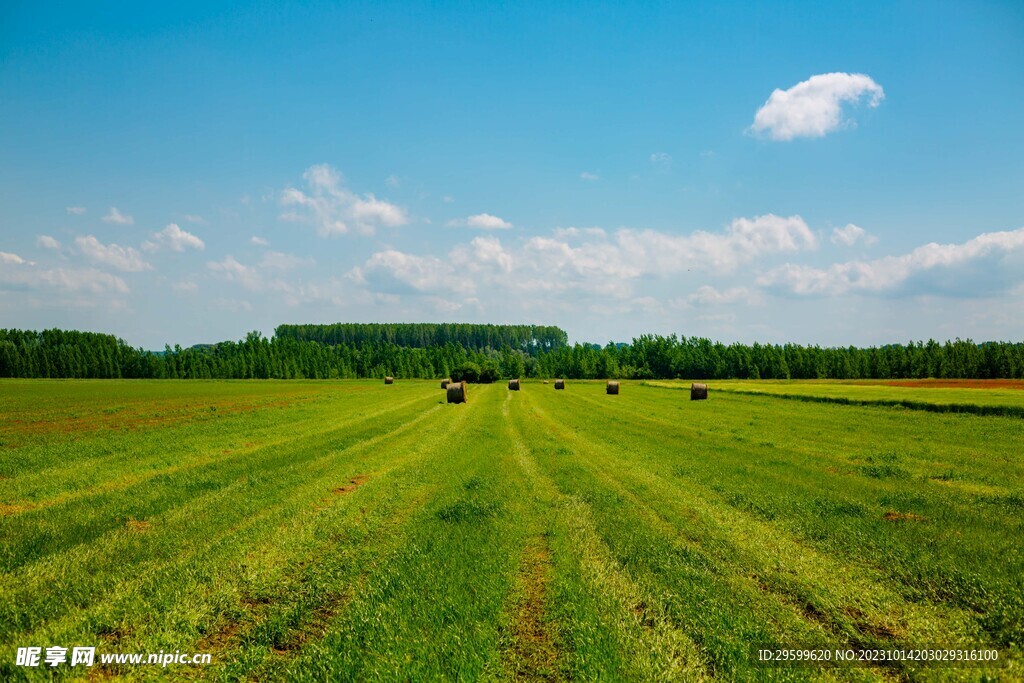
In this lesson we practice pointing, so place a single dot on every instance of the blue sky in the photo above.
(811, 172)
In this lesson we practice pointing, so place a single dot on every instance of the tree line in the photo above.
(73, 354)
(532, 339)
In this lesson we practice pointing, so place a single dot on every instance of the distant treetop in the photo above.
(530, 338)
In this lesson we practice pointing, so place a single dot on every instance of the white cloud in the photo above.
(391, 270)
(813, 108)
(662, 160)
(584, 260)
(174, 238)
(482, 221)
(851, 234)
(75, 210)
(573, 232)
(234, 271)
(707, 295)
(448, 199)
(7, 257)
(118, 218)
(334, 209)
(954, 266)
(586, 175)
(392, 181)
(275, 260)
(62, 279)
(47, 242)
(113, 255)
(259, 241)
(193, 218)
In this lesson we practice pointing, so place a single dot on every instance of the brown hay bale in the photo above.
(389, 380)
(611, 388)
(559, 384)
(513, 385)
(698, 392)
(457, 392)
(445, 383)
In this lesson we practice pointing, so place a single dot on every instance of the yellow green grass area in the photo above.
(920, 396)
(355, 531)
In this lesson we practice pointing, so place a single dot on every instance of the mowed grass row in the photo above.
(968, 399)
(350, 530)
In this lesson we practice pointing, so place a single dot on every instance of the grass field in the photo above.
(351, 530)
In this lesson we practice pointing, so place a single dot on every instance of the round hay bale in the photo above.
(389, 380)
(513, 385)
(457, 392)
(611, 388)
(445, 383)
(559, 384)
(698, 391)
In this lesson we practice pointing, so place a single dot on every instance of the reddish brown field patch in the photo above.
(138, 525)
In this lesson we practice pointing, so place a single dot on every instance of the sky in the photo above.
(821, 173)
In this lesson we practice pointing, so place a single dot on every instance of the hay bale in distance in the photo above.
(545, 381)
(559, 384)
(513, 385)
(389, 380)
(611, 388)
(698, 391)
(457, 392)
(445, 383)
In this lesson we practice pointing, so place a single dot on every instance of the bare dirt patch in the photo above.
(354, 483)
(14, 508)
(139, 525)
(893, 516)
(534, 655)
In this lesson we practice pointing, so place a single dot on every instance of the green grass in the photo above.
(348, 530)
(945, 399)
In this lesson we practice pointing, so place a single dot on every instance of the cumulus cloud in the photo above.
(965, 268)
(174, 238)
(113, 255)
(586, 175)
(9, 258)
(482, 221)
(850, 234)
(276, 260)
(585, 259)
(814, 108)
(392, 271)
(116, 217)
(75, 210)
(334, 209)
(87, 280)
(47, 242)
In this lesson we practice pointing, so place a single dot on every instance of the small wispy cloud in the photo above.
(174, 238)
(481, 221)
(259, 241)
(392, 181)
(662, 160)
(851, 234)
(47, 242)
(8, 257)
(586, 175)
(75, 210)
(117, 218)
